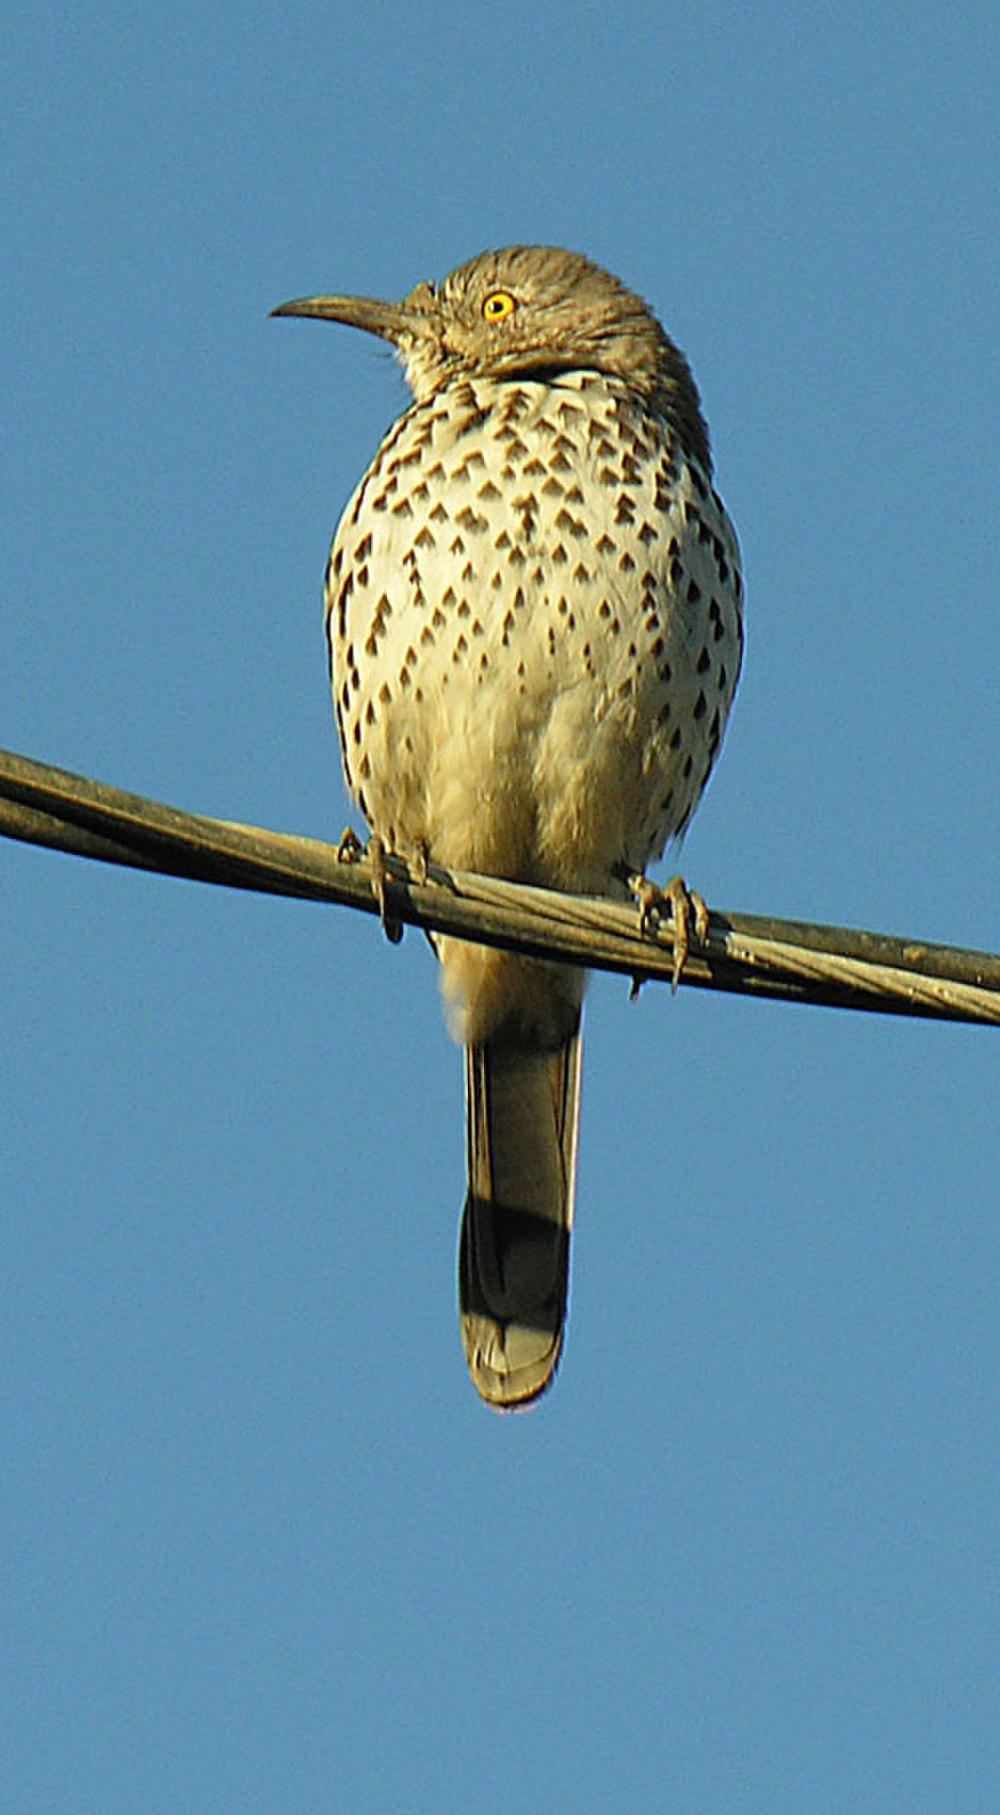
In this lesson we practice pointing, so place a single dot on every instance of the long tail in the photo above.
(522, 1114)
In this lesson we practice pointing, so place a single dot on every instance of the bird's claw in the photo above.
(376, 855)
(350, 848)
(687, 910)
(419, 862)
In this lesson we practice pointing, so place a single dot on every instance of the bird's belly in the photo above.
(534, 745)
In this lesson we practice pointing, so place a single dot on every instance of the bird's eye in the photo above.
(497, 305)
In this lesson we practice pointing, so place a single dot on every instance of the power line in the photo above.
(796, 961)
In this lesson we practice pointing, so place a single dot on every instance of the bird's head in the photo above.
(523, 312)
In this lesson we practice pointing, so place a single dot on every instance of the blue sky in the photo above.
(263, 1548)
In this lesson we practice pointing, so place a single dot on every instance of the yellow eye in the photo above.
(497, 305)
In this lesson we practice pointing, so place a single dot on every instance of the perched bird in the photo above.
(534, 613)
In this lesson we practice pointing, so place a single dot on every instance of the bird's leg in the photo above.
(376, 855)
(687, 909)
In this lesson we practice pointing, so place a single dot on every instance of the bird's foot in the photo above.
(687, 910)
(419, 862)
(376, 854)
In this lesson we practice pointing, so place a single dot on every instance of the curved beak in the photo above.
(390, 321)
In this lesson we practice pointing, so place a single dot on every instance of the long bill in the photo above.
(388, 320)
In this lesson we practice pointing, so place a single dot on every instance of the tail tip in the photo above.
(510, 1366)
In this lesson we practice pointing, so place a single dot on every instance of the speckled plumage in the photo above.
(534, 610)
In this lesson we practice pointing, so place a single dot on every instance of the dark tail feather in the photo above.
(522, 1115)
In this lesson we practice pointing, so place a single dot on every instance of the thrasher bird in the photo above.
(534, 612)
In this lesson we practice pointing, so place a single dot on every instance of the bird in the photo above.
(534, 611)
